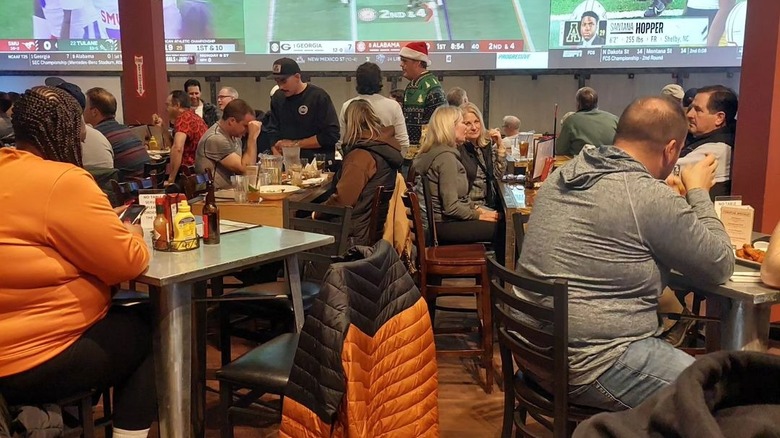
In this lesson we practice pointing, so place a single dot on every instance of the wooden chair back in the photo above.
(541, 349)
(128, 190)
(157, 171)
(298, 216)
(412, 204)
(195, 185)
(379, 209)
(518, 223)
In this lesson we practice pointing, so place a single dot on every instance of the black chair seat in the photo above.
(266, 367)
(534, 394)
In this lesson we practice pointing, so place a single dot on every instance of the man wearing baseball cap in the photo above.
(423, 93)
(674, 91)
(301, 114)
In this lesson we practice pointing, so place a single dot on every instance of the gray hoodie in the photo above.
(605, 225)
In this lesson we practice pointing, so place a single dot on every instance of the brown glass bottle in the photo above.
(161, 226)
(210, 217)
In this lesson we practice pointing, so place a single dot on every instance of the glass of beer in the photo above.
(524, 149)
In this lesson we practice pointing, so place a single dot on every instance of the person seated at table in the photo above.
(608, 225)
(372, 159)
(458, 219)
(712, 122)
(483, 156)
(770, 269)
(130, 154)
(589, 125)
(61, 249)
(188, 129)
(220, 148)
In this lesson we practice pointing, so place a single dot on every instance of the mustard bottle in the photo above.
(184, 224)
(153, 146)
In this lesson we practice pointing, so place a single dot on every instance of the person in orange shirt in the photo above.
(62, 245)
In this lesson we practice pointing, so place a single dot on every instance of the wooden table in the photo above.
(267, 212)
(516, 199)
(173, 278)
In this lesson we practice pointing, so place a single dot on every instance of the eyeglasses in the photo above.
(224, 97)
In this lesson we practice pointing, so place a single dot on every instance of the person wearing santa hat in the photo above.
(423, 94)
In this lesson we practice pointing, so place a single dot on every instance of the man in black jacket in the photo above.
(205, 110)
(301, 115)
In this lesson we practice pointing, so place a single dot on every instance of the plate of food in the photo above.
(750, 255)
(276, 192)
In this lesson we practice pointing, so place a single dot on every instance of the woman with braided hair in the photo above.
(62, 246)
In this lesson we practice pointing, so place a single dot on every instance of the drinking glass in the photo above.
(240, 188)
(292, 155)
(296, 174)
(321, 158)
(251, 175)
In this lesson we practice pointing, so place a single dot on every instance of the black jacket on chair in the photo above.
(724, 394)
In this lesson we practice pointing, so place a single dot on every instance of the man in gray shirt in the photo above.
(608, 224)
(219, 149)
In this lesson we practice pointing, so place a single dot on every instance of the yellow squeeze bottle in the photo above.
(184, 224)
(153, 146)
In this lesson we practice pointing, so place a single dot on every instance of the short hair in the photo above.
(466, 108)
(231, 91)
(590, 14)
(359, 120)
(181, 98)
(369, 78)
(690, 94)
(49, 118)
(456, 96)
(511, 122)
(102, 100)
(587, 99)
(237, 109)
(652, 121)
(192, 83)
(441, 128)
(14, 96)
(722, 99)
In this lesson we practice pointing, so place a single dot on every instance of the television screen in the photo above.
(338, 35)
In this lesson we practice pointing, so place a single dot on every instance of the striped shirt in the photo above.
(130, 154)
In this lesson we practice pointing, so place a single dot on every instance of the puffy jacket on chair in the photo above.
(366, 361)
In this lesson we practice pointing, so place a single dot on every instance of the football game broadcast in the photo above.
(339, 35)
(651, 33)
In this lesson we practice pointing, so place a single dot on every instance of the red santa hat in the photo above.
(417, 50)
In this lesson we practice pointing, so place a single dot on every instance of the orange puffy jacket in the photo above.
(366, 361)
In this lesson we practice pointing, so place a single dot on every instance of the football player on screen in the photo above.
(589, 30)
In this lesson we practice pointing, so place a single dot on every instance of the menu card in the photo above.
(738, 221)
(722, 201)
(147, 197)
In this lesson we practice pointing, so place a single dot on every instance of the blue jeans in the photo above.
(645, 367)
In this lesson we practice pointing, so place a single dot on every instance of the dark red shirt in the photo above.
(194, 127)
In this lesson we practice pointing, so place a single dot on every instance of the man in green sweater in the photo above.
(589, 125)
(424, 93)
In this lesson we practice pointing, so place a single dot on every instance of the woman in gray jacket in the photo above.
(458, 219)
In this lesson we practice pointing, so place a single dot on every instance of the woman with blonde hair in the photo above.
(372, 159)
(483, 156)
(458, 219)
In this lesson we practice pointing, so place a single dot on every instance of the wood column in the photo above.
(756, 162)
(144, 73)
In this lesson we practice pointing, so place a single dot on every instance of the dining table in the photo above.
(175, 279)
(266, 212)
(515, 198)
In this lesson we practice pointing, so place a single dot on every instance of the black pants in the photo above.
(115, 352)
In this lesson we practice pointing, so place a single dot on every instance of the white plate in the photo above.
(225, 194)
(276, 192)
(313, 181)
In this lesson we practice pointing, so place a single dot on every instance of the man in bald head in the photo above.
(608, 224)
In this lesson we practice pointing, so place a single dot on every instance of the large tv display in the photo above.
(338, 35)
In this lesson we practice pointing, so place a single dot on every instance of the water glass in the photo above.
(296, 175)
(251, 175)
(240, 188)
(321, 161)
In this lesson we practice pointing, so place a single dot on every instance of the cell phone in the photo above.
(132, 213)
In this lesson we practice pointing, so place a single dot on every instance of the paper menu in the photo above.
(738, 222)
(147, 197)
(722, 201)
(544, 149)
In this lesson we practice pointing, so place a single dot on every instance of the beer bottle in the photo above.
(161, 226)
(210, 217)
